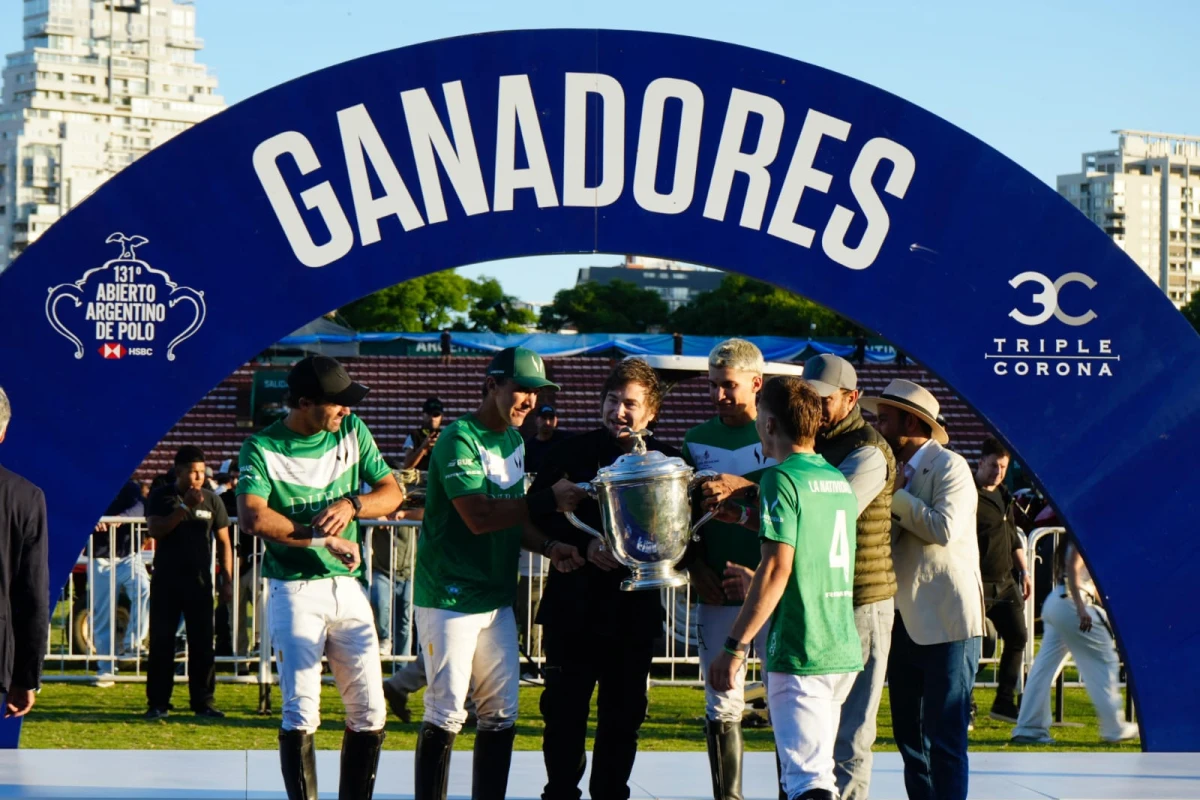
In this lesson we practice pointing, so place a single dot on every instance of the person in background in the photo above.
(419, 443)
(116, 560)
(25, 581)
(184, 517)
(547, 436)
(393, 550)
(1075, 623)
(1006, 581)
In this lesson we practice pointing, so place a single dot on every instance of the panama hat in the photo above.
(913, 398)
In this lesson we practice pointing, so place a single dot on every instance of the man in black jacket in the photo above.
(1002, 567)
(593, 633)
(24, 584)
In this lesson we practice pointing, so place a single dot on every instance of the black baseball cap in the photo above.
(323, 380)
(432, 406)
(547, 411)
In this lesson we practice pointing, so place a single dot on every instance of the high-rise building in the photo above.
(1145, 195)
(678, 283)
(99, 84)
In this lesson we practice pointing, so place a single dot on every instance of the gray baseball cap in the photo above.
(827, 373)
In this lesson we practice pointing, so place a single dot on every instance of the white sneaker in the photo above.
(1128, 731)
(104, 680)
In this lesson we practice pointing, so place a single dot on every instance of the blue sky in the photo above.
(1040, 81)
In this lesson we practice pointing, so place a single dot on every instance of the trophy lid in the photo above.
(641, 464)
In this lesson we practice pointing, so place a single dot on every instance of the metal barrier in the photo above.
(75, 649)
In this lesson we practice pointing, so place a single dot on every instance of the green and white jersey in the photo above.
(730, 451)
(299, 476)
(809, 505)
(456, 569)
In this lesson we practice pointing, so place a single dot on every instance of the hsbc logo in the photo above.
(112, 351)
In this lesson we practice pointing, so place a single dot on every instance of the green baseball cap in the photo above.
(523, 366)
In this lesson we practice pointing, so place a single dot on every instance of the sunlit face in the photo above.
(991, 470)
(191, 476)
(837, 407)
(890, 422)
(733, 392)
(323, 416)
(626, 407)
(512, 401)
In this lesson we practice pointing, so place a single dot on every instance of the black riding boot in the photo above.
(432, 762)
(360, 760)
(299, 764)
(725, 758)
(493, 754)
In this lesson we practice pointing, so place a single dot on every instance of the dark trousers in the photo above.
(576, 661)
(171, 595)
(929, 687)
(1006, 610)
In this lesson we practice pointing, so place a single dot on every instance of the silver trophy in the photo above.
(646, 512)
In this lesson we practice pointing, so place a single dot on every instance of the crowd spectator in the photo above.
(183, 517)
(419, 443)
(1006, 581)
(116, 568)
(546, 436)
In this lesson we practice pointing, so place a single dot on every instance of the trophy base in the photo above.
(654, 576)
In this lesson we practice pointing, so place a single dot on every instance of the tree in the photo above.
(493, 311)
(415, 306)
(616, 307)
(745, 307)
(1191, 311)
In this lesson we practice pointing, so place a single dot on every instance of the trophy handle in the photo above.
(696, 480)
(578, 523)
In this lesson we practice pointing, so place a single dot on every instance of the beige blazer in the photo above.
(935, 550)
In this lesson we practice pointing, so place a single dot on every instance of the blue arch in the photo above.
(336, 184)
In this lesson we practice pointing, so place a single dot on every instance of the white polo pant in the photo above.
(1095, 654)
(470, 653)
(805, 711)
(713, 624)
(330, 616)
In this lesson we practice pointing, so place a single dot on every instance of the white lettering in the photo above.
(1106, 345)
(999, 344)
(833, 240)
(1022, 345)
(1085, 368)
(1042, 368)
(1104, 370)
(1083, 350)
(458, 158)
(1000, 368)
(803, 175)
(611, 167)
(320, 197)
(360, 136)
(1022, 368)
(687, 153)
(517, 110)
(731, 159)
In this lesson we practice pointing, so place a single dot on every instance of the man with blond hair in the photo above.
(729, 445)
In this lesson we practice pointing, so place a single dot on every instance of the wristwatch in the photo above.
(736, 648)
(354, 501)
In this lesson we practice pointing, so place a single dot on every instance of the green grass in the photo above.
(80, 716)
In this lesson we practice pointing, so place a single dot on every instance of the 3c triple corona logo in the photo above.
(1048, 299)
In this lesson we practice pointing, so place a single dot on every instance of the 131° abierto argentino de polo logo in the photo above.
(124, 305)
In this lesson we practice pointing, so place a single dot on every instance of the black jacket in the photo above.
(590, 598)
(24, 582)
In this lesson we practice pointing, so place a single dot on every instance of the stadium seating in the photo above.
(220, 421)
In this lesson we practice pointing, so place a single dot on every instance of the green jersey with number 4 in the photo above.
(808, 505)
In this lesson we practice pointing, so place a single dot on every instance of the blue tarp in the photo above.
(774, 348)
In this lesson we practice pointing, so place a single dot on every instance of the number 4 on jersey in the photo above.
(839, 548)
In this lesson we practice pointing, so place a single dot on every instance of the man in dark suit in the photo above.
(24, 584)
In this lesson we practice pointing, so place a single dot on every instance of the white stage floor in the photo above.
(254, 775)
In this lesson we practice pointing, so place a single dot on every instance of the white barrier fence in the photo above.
(102, 618)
